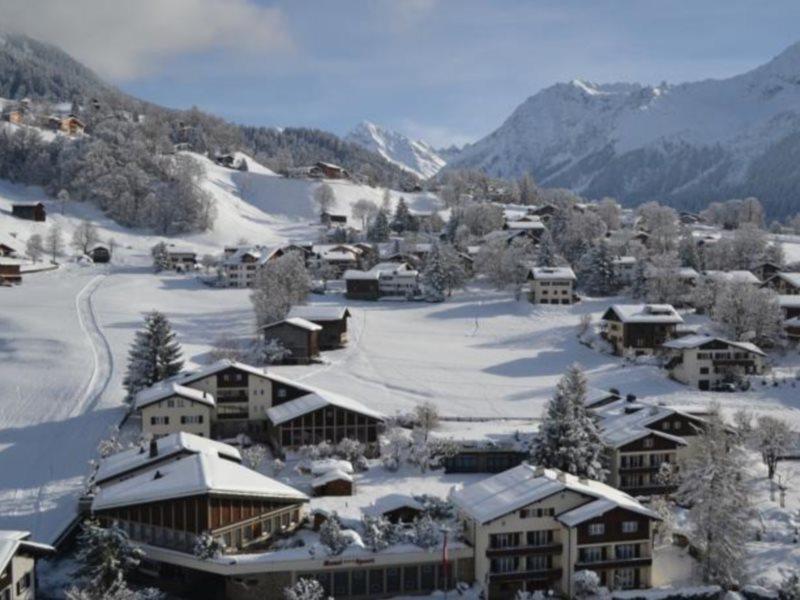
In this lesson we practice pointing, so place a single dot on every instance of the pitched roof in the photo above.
(732, 277)
(167, 389)
(619, 427)
(791, 278)
(552, 273)
(391, 502)
(314, 401)
(166, 446)
(295, 322)
(789, 300)
(328, 476)
(699, 340)
(316, 312)
(216, 367)
(516, 488)
(646, 313)
(203, 473)
(11, 541)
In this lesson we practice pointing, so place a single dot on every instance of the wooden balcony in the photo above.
(615, 563)
(546, 575)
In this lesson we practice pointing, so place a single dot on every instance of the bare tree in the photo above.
(774, 438)
(34, 247)
(364, 210)
(85, 236)
(324, 198)
(54, 242)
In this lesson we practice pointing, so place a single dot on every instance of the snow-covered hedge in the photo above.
(709, 592)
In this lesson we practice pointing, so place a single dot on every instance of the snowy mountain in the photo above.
(685, 144)
(416, 157)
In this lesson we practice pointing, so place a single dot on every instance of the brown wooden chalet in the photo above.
(333, 483)
(330, 171)
(332, 319)
(784, 283)
(6, 250)
(299, 336)
(766, 270)
(31, 211)
(639, 328)
(171, 505)
(10, 274)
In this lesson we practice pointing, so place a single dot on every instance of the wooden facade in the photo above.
(10, 274)
(30, 212)
(337, 487)
(100, 254)
(329, 423)
(363, 289)
(484, 460)
(334, 331)
(301, 342)
(237, 521)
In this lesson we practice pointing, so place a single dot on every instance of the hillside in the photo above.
(417, 157)
(685, 144)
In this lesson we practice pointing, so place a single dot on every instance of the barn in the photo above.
(31, 211)
(298, 336)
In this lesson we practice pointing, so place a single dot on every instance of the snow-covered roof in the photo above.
(215, 368)
(328, 476)
(625, 260)
(320, 313)
(356, 275)
(696, 341)
(552, 273)
(619, 427)
(314, 401)
(323, 465)
(789, 300)
(167, 389)
(592, 510)
(13, 540)
(596, 395)
(260, 254)
(166, 446)
(646, 313)
(791, 278)
(732, 277)
(203, 473)
(390, 502)
(516, 488)
(379, 270)
(296, 322)
(525, 225)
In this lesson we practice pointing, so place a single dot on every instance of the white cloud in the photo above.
(437, 136)
(124, 39)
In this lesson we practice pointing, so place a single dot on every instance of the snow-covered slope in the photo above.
(415, 156)
(687, 142)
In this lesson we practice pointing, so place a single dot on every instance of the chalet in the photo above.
(535, 226)
(172, 504)
(332, 319)
(766, 270)
(705, 362)
(241, 267)
(323, 416)
(384, 279)
(330, 171)
(396, 508)
(171, 407)
(332, 220)
(338, 257)
(10, 273)
(597, 398)
(639, 328)
(241, 399)
(70, 125)
(472, 457)
(551, 285)
(790, 307)
(333, 483)
(7, 247)
(785, 284)
(159, 451)
(31, 211)
(100, 254)
(298, 336)
(181, 260)
(544, 212)
(640, 439)
(18, 555)
(533, 528)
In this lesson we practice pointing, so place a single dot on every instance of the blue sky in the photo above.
(445, 70)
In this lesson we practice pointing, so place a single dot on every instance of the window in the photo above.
(625, 551)
(358, 583)
(625, 579)
(504, 564)
(630, 526)
(504, 540)
(170, 403)
(541, 562)
(540, 538)
(341, 583)
(590, 555)
(191, 419)
(159, 420)
(427, 577)
(23, 583)
(597, 529)
(393, 579)
(647, 442)
(410, 577)
(376, 581)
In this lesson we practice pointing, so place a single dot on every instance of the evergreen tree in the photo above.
(160, 257)
(105, 555)
(546, 252)
(379, 231)
(712, 485)
(568, 438)
(434, 277)
(639, 279)
(155, 354)
(597, 274)
(687, 250)
(402, 220)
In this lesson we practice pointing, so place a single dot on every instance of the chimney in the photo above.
(153, 448)
(562, 477)
(158, 475)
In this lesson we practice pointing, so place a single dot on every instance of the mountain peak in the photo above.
(414, 156)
